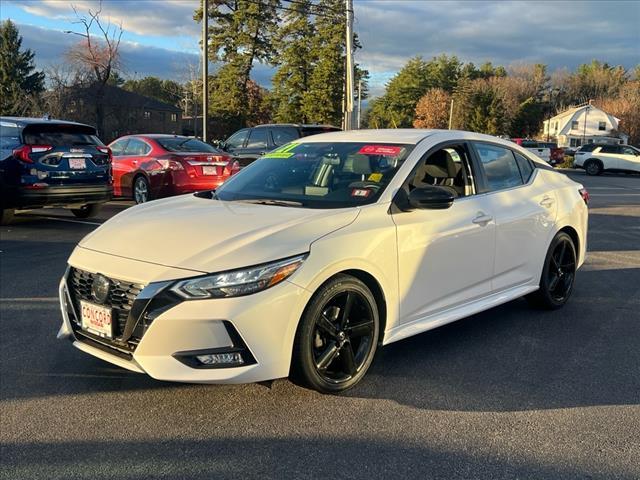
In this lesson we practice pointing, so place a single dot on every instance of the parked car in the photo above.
(596, 159)
(541, 149)
(52, 163)
(248, 144)
(156, 165)
(556, 154)
(320, 252)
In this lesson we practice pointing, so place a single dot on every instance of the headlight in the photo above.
(236, 283)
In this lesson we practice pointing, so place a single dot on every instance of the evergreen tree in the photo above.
(19, 81)
(322, 102)
(241, 33)
(295, 66)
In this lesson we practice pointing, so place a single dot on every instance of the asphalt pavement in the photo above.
(509, 393)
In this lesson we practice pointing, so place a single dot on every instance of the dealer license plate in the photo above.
(209, 170)
(77, 163)
(96, 319)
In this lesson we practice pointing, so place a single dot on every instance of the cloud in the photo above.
(137, 60)
(559, 34)
(142, 17)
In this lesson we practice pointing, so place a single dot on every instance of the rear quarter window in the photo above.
(9, 135)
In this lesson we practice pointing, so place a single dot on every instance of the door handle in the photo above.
(546, 202)
(482, 219)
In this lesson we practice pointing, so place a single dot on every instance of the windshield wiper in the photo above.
(271, 201)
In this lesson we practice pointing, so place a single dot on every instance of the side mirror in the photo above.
(220, 144)
(430, 197)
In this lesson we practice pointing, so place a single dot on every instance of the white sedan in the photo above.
(311, 258)
(609, 158)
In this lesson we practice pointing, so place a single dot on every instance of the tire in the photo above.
(337, 336)
(593, 167)
(558, 274)
(86, 211)
(6, 216)
(141, 191)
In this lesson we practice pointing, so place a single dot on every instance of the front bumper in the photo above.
(61, 196)
(263, 323)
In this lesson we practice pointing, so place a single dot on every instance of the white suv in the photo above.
(618, 158)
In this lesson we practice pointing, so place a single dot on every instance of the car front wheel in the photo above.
(558, 274)
(337, 336)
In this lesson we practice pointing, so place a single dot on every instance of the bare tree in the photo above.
(97, 54)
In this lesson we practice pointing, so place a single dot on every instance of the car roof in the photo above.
(296, 125)
(400, 135)
(24, 121)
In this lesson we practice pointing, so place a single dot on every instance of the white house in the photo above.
(584, 124)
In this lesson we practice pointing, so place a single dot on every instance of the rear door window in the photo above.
(137, 147)
(500, 166)
(610, 149)
(284, 135)
(60, 135)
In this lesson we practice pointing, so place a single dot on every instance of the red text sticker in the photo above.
(360, 192)
(387, 150)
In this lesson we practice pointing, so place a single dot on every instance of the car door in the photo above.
(609, 155)
(236, 142)
(524, 207)
(445, 257)
(629, 159)
(134, 160)
(256, 146)
(119, 164)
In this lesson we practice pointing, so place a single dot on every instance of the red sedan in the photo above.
(154, 165)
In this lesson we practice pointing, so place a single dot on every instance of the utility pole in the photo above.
(451, 114)
(349, 73)
(205, 67)
(359, 101)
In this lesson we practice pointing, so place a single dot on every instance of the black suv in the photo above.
(250, 143)
(52, 163)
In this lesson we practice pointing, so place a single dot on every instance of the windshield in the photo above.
(177, 144)
(60, 135)
(318, 175)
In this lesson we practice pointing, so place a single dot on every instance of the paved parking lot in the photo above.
(509, 393)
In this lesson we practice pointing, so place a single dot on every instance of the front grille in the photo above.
(121, 297)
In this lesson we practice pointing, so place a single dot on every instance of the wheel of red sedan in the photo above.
(337, 337)
(141, 190)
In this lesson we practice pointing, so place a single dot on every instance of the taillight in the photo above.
(170, 164)
(23, 153)
(585, 195)
(106, 150)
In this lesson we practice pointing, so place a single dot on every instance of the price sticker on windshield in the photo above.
(386, 150)
(360, 192)
(285, 151)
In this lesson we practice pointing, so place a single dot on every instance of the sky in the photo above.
(161, 38)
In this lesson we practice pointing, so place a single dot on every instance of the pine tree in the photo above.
(241, 33)
(18, 79)
(291, 81)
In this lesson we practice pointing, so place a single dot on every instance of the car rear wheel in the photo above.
(558, 274)
(337, 336)
(141, 190)
(6, 216)
(86, 211)
(593, 167)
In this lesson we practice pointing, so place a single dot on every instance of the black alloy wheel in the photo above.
(337, 336)
(593, 167)
(558, 274)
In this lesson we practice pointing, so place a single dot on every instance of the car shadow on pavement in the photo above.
(515, 358)
(267, 457)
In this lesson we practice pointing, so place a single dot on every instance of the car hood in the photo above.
(208, 235)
